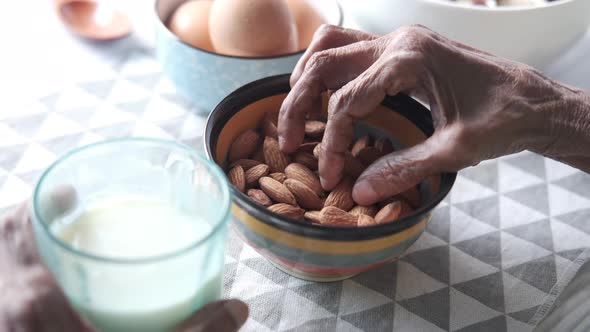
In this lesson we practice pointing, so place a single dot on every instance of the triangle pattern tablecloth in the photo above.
(498, 251)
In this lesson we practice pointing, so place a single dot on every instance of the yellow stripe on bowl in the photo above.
(326, 246)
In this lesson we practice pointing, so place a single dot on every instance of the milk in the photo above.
(140, 316)
(131, 227)
(151, 296)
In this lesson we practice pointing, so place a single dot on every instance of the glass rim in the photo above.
(211, 166)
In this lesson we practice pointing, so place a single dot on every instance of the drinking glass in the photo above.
(134, 294)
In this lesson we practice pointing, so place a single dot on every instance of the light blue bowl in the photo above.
(206, 77)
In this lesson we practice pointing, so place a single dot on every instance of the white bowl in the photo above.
(535, 35)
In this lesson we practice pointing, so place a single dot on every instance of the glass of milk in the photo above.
(134, 231)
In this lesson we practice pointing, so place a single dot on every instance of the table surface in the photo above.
(498, 251)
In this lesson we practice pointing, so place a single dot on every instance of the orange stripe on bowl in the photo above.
(319, 270)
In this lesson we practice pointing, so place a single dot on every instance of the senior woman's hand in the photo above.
(483, 106)
(32, 301)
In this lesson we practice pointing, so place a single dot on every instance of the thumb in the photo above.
(400, 170)
(220, 316)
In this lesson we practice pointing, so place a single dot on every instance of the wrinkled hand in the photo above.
(32, 301)
(482, 106)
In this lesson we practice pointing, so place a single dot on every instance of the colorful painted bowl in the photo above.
(205, 77)
(311, 251)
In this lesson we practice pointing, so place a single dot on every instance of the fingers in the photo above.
(444, 40)
(327, 37)
(403, 169)
(52, 310)
(329, 69)
(11, 222)
(58, 202)
(354, 101)
(393, 174)
(32, 301)
(221, 316)
(17, 245)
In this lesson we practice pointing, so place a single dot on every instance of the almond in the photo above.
(314, 115)
(314, 128)
(307, 140)
(306, 159)
(308, 147)
(352, 166)
(341, 195)
(384, 146)
(255, 173)
(406, 208)
(259, 155)
(244, 145)
(292, 188)
(389, 213)
(334, 216)
(368, 155)
(287, 210)
(277, 191)
(317, 150)
(272, 116)
(245, 163)
(365, 220)
(312, 216)
(259, 197)
(281, 177)
(274, 157)
(360, 144)
(304, 195)
(237, 177)
(358, 210)
(306, 176)
(413, 197)
(269, 127)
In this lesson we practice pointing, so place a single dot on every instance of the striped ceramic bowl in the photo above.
(311, 251)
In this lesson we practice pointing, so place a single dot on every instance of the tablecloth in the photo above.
(496, 254)
(491, 257)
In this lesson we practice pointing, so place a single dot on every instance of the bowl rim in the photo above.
(162, 25)
(279, 84)
(515, 8)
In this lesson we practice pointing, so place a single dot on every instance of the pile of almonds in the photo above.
(289, 184)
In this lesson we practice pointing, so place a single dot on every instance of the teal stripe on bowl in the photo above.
(318, 259)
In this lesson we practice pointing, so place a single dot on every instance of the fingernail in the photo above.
(364, 193)
(238, 310)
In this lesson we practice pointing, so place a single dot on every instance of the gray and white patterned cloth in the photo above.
(499, 250)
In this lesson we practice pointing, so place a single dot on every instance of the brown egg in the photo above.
(307, 18)
(190, 22)
(252, 27)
